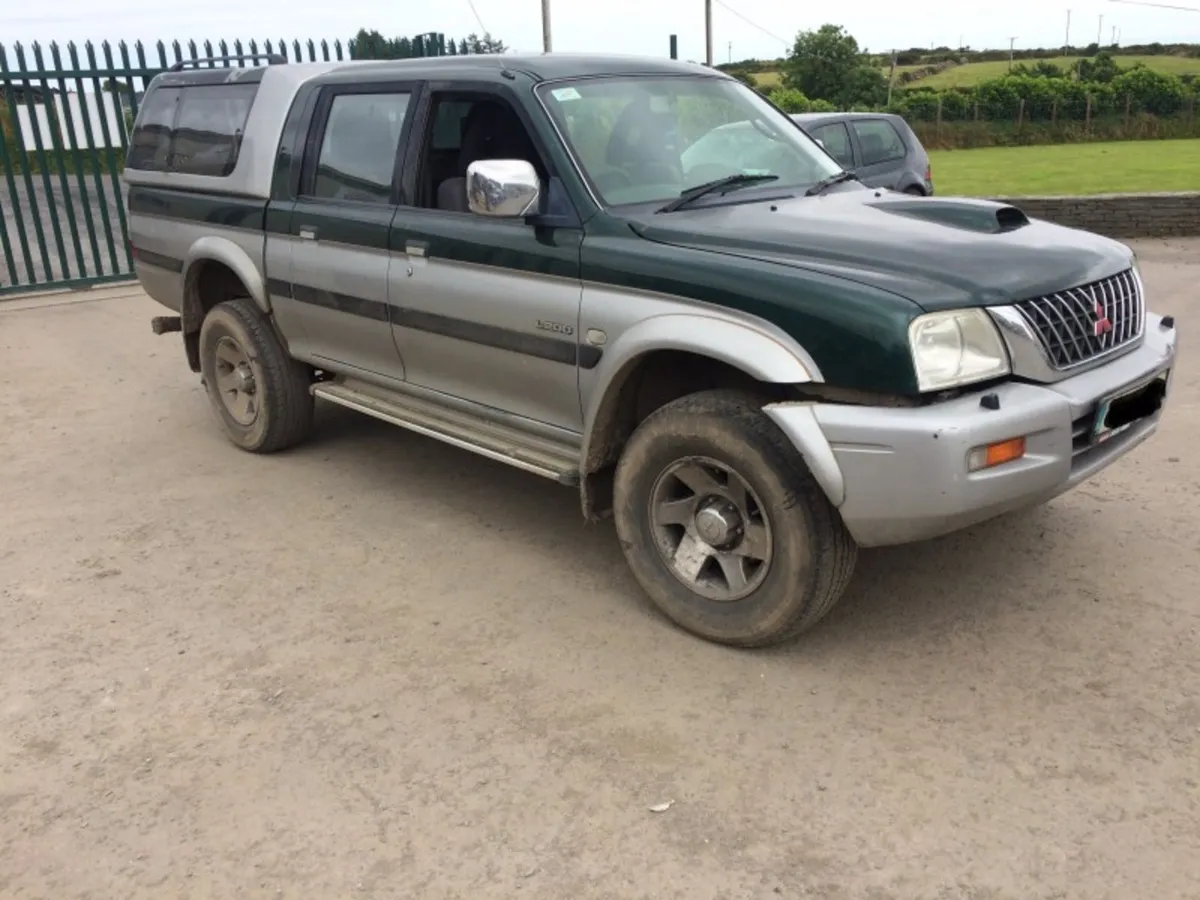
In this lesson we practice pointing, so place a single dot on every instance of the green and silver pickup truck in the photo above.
(752, 362)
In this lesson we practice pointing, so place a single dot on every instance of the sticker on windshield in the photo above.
(564, 94)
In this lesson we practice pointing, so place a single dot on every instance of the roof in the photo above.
(824, 116)
(541, 66)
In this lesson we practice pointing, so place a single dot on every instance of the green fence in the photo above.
(65, 115)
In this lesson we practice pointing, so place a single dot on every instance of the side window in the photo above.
(836, 140)
(357, 153)
(150, 145)
(879, 141)
(448, 124)
(467, 128)
(208, 131)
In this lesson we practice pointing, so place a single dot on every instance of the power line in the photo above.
(770, 34)
(475, 12)
(1158, 5)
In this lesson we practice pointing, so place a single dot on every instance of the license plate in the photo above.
(1118, 412)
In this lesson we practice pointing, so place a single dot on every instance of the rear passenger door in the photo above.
(339, 223)
(881, 152)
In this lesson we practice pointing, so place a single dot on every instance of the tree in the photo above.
(485, 44)
(1101, 69)
(1040, 69)
(373, 45)
(827, 64)
(789, 100)
(865, 86)
(745, 78)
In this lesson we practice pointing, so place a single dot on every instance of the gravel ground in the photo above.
(379, 667)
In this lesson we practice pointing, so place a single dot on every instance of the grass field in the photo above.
(1075, 169)
(973, 73)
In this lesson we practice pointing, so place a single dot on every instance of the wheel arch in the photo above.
(665, 357)
(216, 269)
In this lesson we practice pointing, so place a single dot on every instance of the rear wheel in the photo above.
(914, 190)
(724, 527)
(260, 394)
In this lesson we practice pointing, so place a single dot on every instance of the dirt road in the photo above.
(378, 667)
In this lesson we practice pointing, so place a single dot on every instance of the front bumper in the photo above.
(900, 474)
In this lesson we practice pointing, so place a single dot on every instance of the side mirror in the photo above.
(503, 188)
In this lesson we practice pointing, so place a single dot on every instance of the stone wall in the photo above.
(1118, 215)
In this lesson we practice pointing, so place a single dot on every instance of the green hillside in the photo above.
(973, 73)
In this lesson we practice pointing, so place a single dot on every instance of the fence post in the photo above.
(939, 119)
(1128, 103)
(1020, 115)
(976, 110)
(1054, 112)
(1087, 117)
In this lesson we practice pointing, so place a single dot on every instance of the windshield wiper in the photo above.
(729, 182)
(821, 186)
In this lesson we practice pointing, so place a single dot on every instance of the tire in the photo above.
(240, 357)
(786, 517)
(913, 191)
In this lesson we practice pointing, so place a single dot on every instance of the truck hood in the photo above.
(939, 252)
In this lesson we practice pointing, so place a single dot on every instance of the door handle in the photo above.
(308, 232)
(416, 248)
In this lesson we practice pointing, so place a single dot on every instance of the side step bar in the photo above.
(533, 453)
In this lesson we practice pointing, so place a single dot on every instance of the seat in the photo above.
(491, 130)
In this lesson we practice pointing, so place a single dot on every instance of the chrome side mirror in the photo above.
(505, 188)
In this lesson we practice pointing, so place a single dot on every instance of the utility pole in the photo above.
(547, 44)
(1011, 43)
(708, 43)
(1067, 45)
(891, 79)
(1114, 37)
(731, 47)
(1100, 29)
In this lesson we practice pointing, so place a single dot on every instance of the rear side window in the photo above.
(194, 130)
(208, 129)
(836, 140)
(150, 145)
(358, 149)
(879, 141)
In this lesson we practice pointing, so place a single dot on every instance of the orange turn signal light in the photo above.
(996, 454)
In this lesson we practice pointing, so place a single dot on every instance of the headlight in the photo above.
(954, 348)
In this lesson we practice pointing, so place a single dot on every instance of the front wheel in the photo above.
(260, 394)
(723, 525)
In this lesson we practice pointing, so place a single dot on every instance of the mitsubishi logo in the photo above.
(1102, 325)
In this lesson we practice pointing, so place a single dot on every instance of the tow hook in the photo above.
(166, 324)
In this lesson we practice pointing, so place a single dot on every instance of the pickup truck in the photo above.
(753, 363)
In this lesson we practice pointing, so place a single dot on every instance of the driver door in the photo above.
(483, 309)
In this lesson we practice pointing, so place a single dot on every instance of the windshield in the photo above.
(648, 139)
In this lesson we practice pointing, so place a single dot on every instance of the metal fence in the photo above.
(65, 119)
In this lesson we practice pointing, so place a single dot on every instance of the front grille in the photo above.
(1085, 322)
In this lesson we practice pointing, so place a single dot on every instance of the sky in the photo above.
(742, 28)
